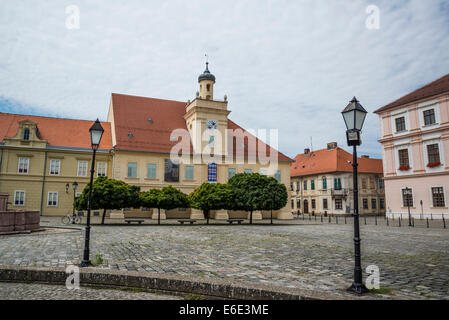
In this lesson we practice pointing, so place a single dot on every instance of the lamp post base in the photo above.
(358, 288)
(85, 263)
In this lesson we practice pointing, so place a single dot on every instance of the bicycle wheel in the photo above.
(78, 220)
(66, 219)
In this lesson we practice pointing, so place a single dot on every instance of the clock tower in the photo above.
(207, 119)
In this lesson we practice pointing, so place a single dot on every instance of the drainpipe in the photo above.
(1, 161)
(43, 182)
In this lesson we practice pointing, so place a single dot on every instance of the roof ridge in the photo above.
(46, 117)
(136, 96)
(430, 84)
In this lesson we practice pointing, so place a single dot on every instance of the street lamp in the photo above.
(408, 192)
(96, 132)
(354, 116)
(74, 186)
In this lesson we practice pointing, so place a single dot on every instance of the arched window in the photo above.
(26, 134)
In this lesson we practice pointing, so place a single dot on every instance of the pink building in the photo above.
(415, 145)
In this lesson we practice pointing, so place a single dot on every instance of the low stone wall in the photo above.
(156, 282)
(11, 221)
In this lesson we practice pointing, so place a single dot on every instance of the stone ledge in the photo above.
(217, 288)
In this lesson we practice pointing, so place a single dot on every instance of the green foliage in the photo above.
(211, 196)
(248, 191)
(275, 195)
(253, 191)
(98, 260)
(109, 194)
(168, 198)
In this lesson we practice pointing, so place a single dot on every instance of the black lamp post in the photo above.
(74, 186)
(96, 131)
(354, 115)
(408, 192)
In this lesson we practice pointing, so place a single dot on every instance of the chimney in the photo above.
(331, 145)
(306, 151)
(365, 156)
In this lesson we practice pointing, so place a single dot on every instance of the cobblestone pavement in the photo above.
(413, 262)
(21, 291)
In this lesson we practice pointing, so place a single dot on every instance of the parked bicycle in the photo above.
(70, 219)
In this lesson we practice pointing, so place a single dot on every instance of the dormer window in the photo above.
(26, 134)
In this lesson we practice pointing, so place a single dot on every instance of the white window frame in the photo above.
(428, 106)
(398, 114)
(399, 146)
(413, 198)
(15, 197)
(27, 165)
(127, 170)
(105, 168)
(80, 174)
(59, 167)
(48, 198)
(155, 171)
(431, 197)
(425, 143)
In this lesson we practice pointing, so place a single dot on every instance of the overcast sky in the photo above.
(290, 65)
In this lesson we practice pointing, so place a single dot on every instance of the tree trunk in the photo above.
(158, 215)
(271, 216)
(207, 216)
(104, 214)
(251, 217)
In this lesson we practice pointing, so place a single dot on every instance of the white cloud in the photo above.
(291, 65)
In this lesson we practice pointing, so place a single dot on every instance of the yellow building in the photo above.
(147, 142)
(41, 157)
(321, 183)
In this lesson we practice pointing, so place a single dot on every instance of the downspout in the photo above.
(1, 161)
(43, 182)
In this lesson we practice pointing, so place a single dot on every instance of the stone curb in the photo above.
(167, 283)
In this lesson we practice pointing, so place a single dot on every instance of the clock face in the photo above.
(211, 124)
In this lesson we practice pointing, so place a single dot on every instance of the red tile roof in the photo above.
(132, 114)
(58, 132)
(436, 87)
(335, 160)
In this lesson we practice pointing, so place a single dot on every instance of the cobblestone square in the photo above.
(413, 262)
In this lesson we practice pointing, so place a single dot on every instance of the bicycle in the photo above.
(70, 219)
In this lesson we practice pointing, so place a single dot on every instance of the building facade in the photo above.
(148, 142)
(322, 183)
(41, 158)
(415, 145)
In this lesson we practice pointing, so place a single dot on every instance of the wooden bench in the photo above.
(231, 221)
(181, 221)
(139, 221)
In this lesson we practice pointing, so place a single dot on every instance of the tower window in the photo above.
(208, 87)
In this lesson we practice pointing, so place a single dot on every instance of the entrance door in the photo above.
(306, 206)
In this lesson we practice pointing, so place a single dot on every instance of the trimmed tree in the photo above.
(211, 196)
(249, 192)
(168, 198)
(276, 196)
(108, 194)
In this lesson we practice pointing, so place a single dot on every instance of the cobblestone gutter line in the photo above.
(168, 283)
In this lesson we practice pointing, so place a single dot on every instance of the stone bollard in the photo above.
(444, 221)
(399, 222)
(427, 219)
(388, 222)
